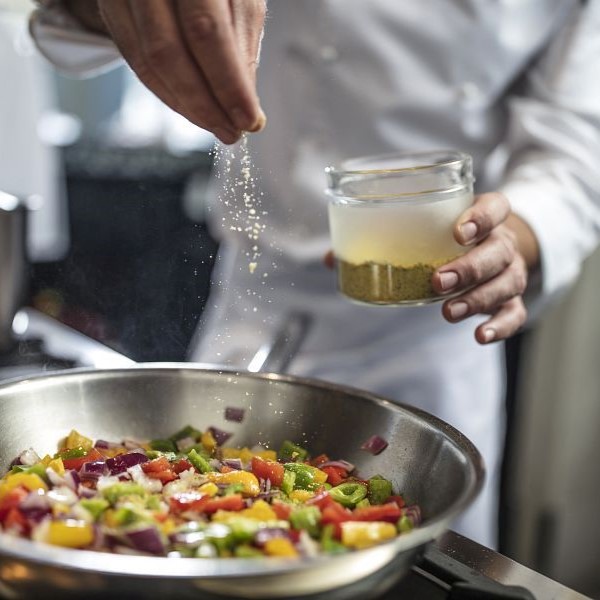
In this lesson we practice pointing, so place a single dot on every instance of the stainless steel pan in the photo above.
(427, 460)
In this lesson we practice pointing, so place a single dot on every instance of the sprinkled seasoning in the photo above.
(234, 167)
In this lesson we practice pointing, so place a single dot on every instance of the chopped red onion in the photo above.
(146, 540)
(70, 478)
(91, 471)
(104, 445)
(233, 413)
(220, 436)
(233, 463)
(340, 464)
(413, 512)
(122, 462)
(375, 445)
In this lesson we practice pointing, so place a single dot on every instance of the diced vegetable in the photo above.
(200, 463)
(364, 535)
(188, 496)
(375, 445)
(234, 414)
(380, 489)
(349, 493)
(291, 452)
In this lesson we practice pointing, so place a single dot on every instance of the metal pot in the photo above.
(427, 460)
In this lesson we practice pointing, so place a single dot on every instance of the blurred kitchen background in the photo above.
(118, 250)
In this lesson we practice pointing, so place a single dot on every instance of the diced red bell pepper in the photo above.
(321, 499)
(183, 464)
(335, 514)
(187, 501)
(319, 460)
(156, 465)
(226, 469)
(268, 469)
(12, 500)
(159, 468)
(15, 519)
(399, 500)
(335, 475)
(282, 510)
(232, 502)
(389, 512)
(76, 463)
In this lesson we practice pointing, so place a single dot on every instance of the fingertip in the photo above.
(228, 137)
(260, 123)
(486, 335)
(466, 233)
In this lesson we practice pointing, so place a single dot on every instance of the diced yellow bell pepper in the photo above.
(259, 511)
(301, 495)
(30, 481)
(320, 476)
(245, 454)
(168, 526)
(268, 455)
(362, 534)
(207, 439)
(76, 440)
(56, 464)
(209, 489)
(70, 533)
(280, 547)
(249, 482)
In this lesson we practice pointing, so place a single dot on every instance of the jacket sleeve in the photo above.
(553, 174)
(66, 44)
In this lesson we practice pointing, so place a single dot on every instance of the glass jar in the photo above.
(391, 219)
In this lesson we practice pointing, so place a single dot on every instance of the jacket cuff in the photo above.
(73, 50)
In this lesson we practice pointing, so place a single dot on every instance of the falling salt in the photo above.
(235, 168)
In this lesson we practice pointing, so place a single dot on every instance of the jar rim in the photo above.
(420, 164)
(453, 157)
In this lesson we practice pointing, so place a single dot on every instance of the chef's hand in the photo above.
(492, 275)
(197, 56)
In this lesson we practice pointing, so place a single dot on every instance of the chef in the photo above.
(514, 84)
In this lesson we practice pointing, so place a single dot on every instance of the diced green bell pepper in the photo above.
(291, 451)
(380, 489)
(405, 524)
(38, 469)
(330, 545)
(349, 493)
(67, 453)
(170, 456)
(363, 503)
(199, 462)
(118, 490)
(163, 445)
(186, 432)
(308, 518)
(305, 475)
(234, 488)
(95, 506)
(289, 479)
(245, 551)
(126, 516)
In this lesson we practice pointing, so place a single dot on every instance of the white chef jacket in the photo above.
(347, 78)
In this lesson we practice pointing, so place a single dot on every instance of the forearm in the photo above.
(88, 14)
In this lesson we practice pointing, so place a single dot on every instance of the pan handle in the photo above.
(277, 354)
(61, 341)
